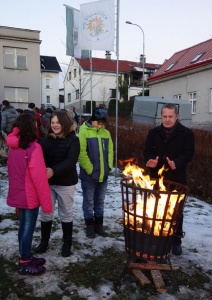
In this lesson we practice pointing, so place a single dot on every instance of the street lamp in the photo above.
(128, 22)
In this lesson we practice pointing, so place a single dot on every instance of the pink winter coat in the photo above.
(28, 183)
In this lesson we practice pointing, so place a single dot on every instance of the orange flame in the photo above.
(145, 182)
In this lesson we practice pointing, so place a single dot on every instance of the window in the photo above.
(48, 99)
(15, 58)
(16, 94)
(77, 94)
(48, 84)
(75, 72)
(69, 97)
(69, 76)
(192, 99)
(210, 105)
(170, 66)
(112, 93)
(196, 57)
(177, 96)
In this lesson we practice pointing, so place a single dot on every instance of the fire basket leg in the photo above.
(172, 275)
(126, 267)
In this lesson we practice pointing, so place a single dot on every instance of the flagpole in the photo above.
(117, 90)
(91, 81)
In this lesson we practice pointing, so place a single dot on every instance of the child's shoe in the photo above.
(39, 261)
(31, 268)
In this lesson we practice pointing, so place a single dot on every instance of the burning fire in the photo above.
(158, 210)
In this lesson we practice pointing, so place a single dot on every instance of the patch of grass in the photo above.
(107, 267)
(10, 284)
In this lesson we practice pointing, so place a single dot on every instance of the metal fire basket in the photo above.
(150, 235)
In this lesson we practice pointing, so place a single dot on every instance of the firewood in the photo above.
(152, 266)
(158, 281)
(141, 277)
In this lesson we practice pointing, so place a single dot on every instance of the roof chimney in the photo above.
(107, 55)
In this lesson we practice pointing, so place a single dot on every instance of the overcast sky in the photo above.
(169, 26)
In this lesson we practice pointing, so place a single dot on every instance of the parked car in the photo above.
(45, 106)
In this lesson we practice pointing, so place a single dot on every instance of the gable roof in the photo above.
(109, 65)
(49, 64)
(191, 58)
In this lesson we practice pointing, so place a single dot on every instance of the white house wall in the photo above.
(199, 82)
(53, 90)
(102, 82)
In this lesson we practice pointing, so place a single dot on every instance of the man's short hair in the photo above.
(31, 105)
(6, 103)
(170, 106)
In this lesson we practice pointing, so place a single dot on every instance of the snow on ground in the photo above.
(197, 244)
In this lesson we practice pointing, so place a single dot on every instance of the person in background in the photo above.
(170, 144)
(30, 109)
(28, 188)
(76, 118)
(61, 151)
(41, 125)
(46, 115)
(34, 111)
(8, 116)
(19, 110)
(96, 161)
(71, 116)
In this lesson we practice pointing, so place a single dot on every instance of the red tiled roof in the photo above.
(109, 65)
(182, 60)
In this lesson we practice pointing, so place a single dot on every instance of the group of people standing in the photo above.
(42, 173)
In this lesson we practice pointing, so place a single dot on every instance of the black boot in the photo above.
(45, 235)
(0, 219)
(67, 239)
(90, 233)
(99, 227)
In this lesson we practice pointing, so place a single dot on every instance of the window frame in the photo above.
(16, 91)
(48, 86)
(210, 104)
(15, 58)
(178, 96)
(48, 99)
(77, 94)
(193, 101)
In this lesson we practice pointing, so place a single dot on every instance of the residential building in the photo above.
(50, 69)
(20, 66)
(187, 75)
(80, 85)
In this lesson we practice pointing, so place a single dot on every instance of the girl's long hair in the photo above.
(27, 126)
(63, 119)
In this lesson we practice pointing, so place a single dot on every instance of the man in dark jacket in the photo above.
(8, 115)
(170, 144)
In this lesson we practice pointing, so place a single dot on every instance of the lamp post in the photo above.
(128, 22)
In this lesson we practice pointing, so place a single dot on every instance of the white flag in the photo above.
(97, 25)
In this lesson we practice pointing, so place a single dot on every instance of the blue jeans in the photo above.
(93, 198)
(28, 218)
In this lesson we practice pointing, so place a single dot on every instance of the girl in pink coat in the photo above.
(28, 188)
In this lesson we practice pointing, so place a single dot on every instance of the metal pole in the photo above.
(117, 87)
(128, 22)
(91, 70)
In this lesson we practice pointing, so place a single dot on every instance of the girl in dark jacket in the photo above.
(61, 150)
